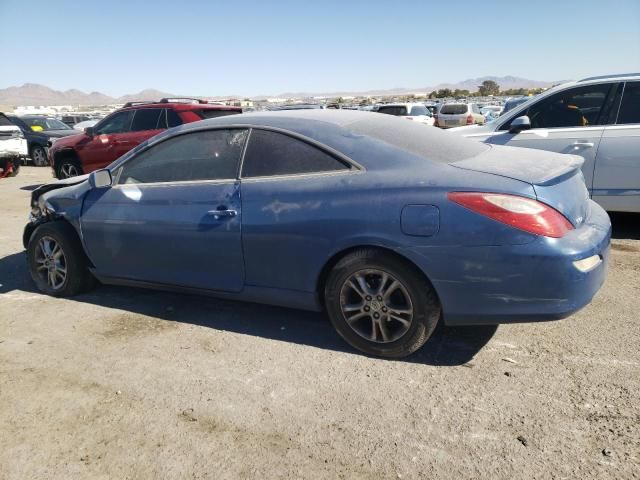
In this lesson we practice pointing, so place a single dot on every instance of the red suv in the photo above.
(124, 129)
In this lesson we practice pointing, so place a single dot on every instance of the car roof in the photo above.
(356, 133)
(618, 76)
(401, 104)
(182, 106)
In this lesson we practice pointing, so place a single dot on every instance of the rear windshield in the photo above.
(393, 110)
(454, 109)
(430, 143)
(211, 113)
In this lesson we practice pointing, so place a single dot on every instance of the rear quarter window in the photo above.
(271, 154)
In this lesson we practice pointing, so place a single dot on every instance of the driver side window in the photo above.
(197, 156)
(117, 123)
(576, 107)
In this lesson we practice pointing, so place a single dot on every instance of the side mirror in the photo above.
(519, 124)
(90, 131)
(100, 178)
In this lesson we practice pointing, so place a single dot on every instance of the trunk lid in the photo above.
(556, 178)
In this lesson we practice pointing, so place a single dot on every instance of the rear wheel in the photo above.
(69, 167)
(39, 156)
(381, 304)
(57, 262)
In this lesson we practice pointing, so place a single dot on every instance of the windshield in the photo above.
(44, 124)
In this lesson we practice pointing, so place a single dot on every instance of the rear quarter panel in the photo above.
(292, 226)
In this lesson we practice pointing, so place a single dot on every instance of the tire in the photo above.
(68, 167)
(39, 157)
(16, 168)
(393, 338)
(53, 238)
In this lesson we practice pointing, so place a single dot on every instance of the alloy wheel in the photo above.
(69, 170)
(38, 156)
(376, 305)
(51, 262)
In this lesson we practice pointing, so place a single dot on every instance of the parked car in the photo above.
(13, 147)
(72, 119)
(123, 130)
(457, 114)
(384, 224)
(411, 111)
(597, 118)
(40, 130)
(513, 102)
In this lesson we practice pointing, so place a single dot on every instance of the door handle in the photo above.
(223, 213)
(583, 144)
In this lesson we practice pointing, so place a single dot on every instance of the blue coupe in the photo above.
(387, 225)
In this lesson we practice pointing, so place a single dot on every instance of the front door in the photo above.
(173, 215)
(571, 121)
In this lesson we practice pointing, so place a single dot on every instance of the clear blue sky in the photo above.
(253, 47)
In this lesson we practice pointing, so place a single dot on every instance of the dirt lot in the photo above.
(128, 383)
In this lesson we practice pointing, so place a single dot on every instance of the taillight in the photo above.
(519, 212)
(470, 120)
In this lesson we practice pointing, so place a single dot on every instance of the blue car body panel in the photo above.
(138, 232)
(290, 229)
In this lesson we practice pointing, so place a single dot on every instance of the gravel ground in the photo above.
(130, 383)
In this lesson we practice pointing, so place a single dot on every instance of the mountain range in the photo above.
(35, 94)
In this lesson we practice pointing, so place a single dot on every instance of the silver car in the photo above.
(597, 118)
(457, 114)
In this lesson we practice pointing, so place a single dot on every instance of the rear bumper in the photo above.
(537, 281)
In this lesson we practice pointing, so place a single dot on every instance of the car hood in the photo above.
(71, 139)
(47, 187)
(59, 133)
(9, 128)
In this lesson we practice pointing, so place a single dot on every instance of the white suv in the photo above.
(13, 147)
(597, 118)
(412, 111)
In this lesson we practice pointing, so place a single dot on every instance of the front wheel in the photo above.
(381, 304)
(39, 156)
(68, 168)
(57, 262)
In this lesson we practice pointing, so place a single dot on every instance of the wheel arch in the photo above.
(62, 155)
(336, 257)
(32, 227)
